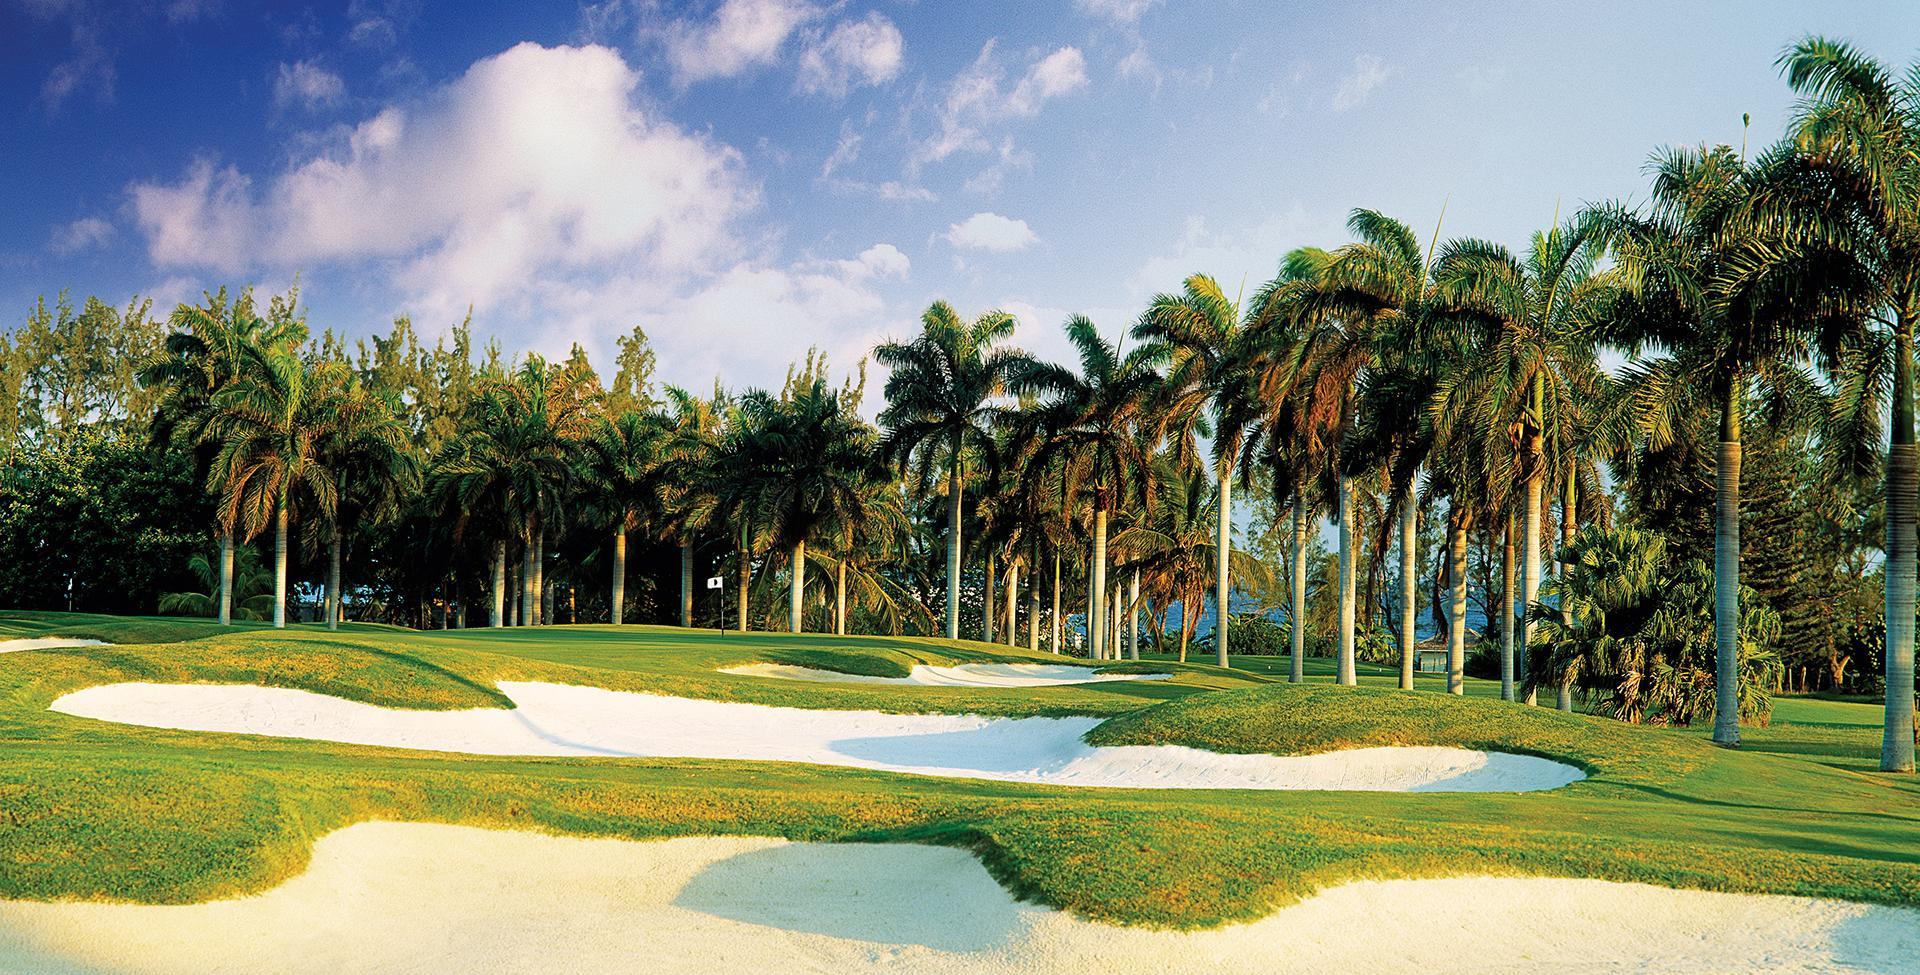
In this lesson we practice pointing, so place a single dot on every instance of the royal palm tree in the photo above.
(1381, 286)
(805, 462)
(621, 466)
(941, 407)
(366, 453)
(1682, 262)
(1091, 419)
(688, 501)
(1199, 333)
(1275, 411)
(270, 429)
(204, 352)
(1534, 322)
(1850, 223)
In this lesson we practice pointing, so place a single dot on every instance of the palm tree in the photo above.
(1682, 263)
(805, 462)
(1853, 222)
(1090, 421)
(941, 406)
(621, 462)
(1535, 363)
(1171, 545)
(367, 455)
(270, 434)
(204, 353)
(694, 430)
(1278, 417)
(1199, 332)
(1383, 281)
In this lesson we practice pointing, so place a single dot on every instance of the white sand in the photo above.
(557, 719)
(46, 643)
(417, 898)
(959, 675)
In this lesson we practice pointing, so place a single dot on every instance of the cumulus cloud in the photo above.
(1118, 11)
(741, 34)
(306, 84)
(81, 234)
(1368, 73)
(991, 232)
(854, 53)
(878, 261)
(978, 97)
(536, 169)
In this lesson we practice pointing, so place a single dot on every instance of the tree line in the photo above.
(1550, 438)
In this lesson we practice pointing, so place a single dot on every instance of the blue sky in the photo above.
(749, 178)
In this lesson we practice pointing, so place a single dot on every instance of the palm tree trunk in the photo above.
(1056, 601)
(543, 597)
(1033, 603)
(525, 617)
(1012, 629)
(1569, 519)
(1530, 541)
(686, 584)
(1187, 620)
(1903, 482)
(1297, 615)
(1726, 574)
(795, 611)
(1457, 613)
(1133, 616)
(498, 618)
(1096, 628)
(333, 581)
(226, 578)
(743, 577)
(617, 609)
(1348, 674)
(953, 547)
(1222, 550)
(280, 565)
(840, 599)
(1506, 613)
(1409, 584)
(986, 603)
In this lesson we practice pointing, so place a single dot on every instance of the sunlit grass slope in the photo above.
(94, 809)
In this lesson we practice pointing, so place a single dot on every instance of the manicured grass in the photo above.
(94, 809)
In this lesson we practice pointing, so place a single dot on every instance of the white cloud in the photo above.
(991, 232)
(1058, 73)
(878, 261)
(1368, 73)
(307, 85)
(855, 53)
(890, 191)
(987, 182)
(742, 34)
(974, 100)
(535, 170)
(1118, 11)
(845, 150)
(81, 234)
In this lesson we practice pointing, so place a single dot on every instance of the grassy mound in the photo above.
(1305, 719)
(92, 809)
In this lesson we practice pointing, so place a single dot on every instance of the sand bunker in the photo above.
(393, 897)
(960, 675)
(46, 643)
(557, 719)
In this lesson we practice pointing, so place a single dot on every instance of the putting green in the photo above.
(101, 810)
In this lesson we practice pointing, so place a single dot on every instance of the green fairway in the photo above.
(94, 809)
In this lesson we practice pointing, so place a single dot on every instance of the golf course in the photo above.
(103, 815)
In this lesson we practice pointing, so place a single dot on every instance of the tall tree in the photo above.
(1091, 420)
(1200, 330)
(622, 470)
(941, 406)
(1852, 225)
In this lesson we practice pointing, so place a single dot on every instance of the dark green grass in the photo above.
(94, 809)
